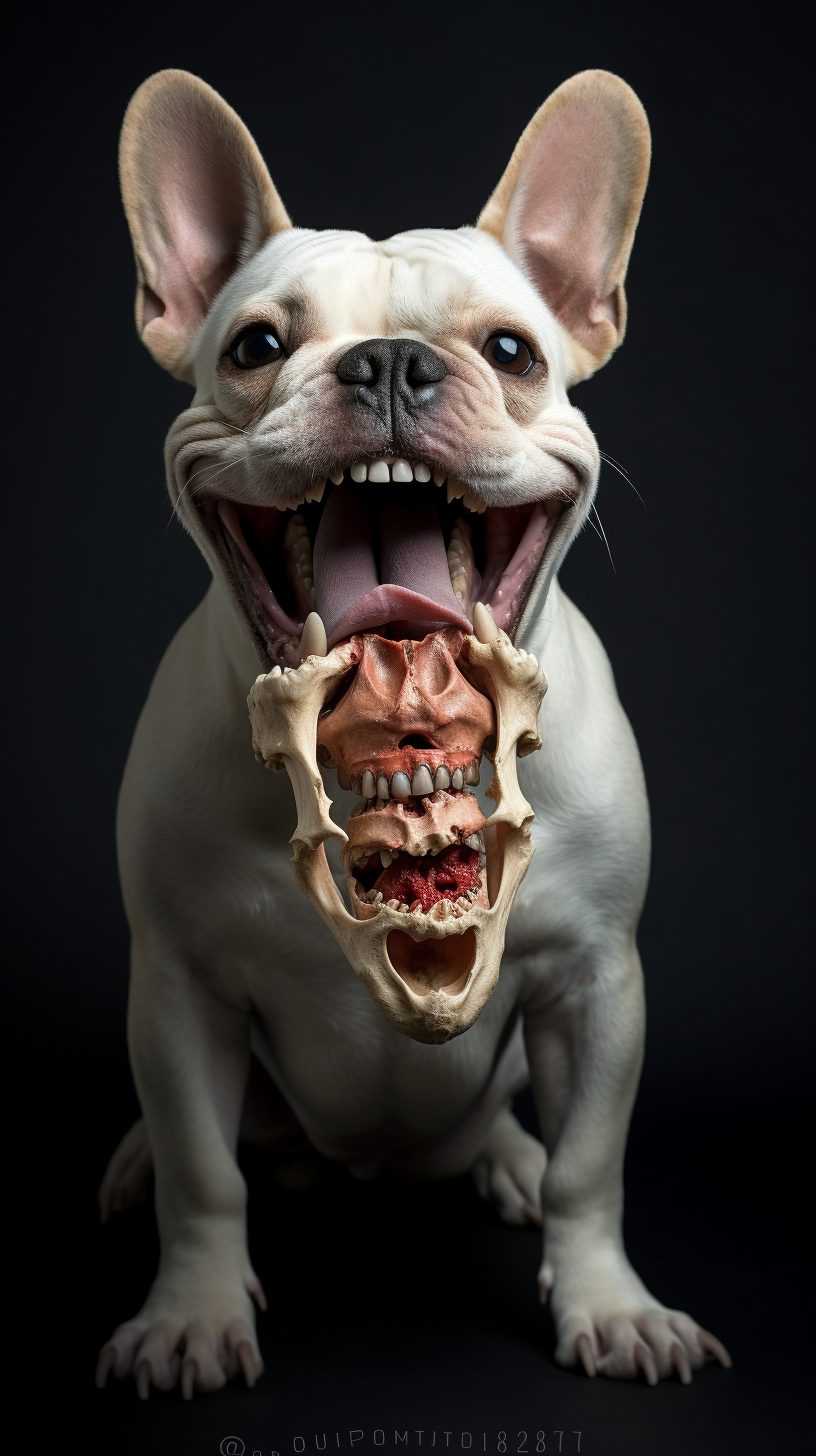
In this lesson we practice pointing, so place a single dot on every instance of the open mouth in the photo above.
(391, 546)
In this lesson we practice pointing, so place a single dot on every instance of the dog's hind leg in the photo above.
(129, 1175)
(509, 1170)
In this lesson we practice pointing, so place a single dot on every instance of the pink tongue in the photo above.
(412, 589)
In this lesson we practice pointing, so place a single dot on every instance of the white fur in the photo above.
(229, 959)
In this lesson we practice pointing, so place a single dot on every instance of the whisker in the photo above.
(603, 533)
(621, 471)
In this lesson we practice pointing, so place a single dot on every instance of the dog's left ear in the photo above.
(199, 202)
(567, 207)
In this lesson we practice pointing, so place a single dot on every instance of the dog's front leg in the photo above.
(190, 1056)
(585, 1051)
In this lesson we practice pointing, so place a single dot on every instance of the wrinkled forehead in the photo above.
(341, 284)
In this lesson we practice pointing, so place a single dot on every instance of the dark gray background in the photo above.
(381, 119)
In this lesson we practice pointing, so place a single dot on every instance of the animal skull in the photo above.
(430, 965)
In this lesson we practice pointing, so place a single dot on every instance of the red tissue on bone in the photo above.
(444, 876)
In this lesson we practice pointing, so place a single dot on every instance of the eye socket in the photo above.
(257, 346)
(509, 353)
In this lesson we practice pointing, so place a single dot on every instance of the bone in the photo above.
(313, 642)
(484, 627)
(391, 830)
(433, 998)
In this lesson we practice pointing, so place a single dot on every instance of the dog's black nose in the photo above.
(390, 375)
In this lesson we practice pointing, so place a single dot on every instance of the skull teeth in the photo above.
(425, 781)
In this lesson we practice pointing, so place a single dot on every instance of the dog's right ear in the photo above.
(199, 202)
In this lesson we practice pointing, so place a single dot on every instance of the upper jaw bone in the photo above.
(283, 711)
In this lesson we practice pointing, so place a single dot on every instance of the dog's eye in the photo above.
(256, 347)
(509, 353)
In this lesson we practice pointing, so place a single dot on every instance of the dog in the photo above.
(384, 472)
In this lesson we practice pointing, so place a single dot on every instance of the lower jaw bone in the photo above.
(429, 974)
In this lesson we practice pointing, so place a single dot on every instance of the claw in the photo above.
(711, 1345)
(246, 1359)
(644, 1360)
(680, 1363)
(142, 1377)
(583, 1350)
(104, 1365)
(257, 1291)
(189, 1375)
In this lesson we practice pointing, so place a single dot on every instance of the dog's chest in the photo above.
(344, 1070)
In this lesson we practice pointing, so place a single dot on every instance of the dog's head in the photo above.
(382, 466)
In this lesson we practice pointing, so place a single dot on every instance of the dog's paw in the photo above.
(509, 1170)
(129, 1173)
(656, 1343)
(200, 1341)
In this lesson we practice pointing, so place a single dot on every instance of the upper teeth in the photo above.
(402, 786)
(380, 472)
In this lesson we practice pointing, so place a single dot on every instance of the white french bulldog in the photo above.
(381, 461)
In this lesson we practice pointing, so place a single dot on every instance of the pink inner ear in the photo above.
(152, 307)
(566, 218)
(199, 218)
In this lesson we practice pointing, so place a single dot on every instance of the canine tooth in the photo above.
(401, 472)
(422, 473)
(483, 859)
(442, 778)
(336, 477)
(473, 503)
(400, 786)
(484, 627)
(359, 472)
(313, 643)
(386, 857)
(379, 473)
(382, 787)
(439, 477)
(472, 773)
(458, 780)
(368, 785)
(461, 564)
(422, 783)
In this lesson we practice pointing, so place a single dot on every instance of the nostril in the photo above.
(359, 365)
(423, 366)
